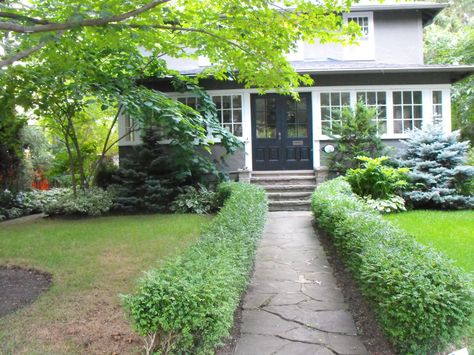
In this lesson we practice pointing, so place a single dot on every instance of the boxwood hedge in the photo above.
(421, 300)
(187, 305)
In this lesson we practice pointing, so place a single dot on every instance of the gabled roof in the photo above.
(428, 9)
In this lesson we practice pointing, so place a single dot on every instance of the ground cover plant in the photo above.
(92, 261)
(187, 306)
(422, 301)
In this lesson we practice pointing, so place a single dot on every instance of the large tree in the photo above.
(247, 37)
(450, 40)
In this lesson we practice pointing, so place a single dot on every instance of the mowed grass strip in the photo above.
(449, 232)
(92, 261)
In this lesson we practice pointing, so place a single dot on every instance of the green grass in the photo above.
(92, 261)
(449, 232)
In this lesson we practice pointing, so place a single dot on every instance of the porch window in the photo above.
(407, 110)
(437, 106)
(229, 112)
(377, 100)
(332, 104)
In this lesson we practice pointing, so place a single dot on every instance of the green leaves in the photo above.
(191, 300)
(422, 302)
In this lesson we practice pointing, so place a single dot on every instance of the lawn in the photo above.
(450, 232)
(92, 261)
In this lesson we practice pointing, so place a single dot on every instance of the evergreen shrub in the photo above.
(438, 169)
(187, 305)
(355, 136)
(421, 300)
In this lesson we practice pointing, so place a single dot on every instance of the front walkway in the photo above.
(293, 305)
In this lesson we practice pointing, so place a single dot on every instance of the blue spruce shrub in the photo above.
(437, 169)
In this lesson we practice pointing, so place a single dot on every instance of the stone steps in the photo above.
(287, 190)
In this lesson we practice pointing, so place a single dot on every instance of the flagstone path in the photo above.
(293, 305)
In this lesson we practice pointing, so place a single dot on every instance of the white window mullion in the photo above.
(353, 99)
(389, 112)
(247, 129)
(427, 101)
(317, 130)
(446, 100)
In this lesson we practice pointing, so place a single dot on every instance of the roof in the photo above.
(428, 10)
(329, 66)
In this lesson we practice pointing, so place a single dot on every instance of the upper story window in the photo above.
(332, 104)
(407, 110)
(377, 100)
(229, 110)
(363, 22)
(437, 106)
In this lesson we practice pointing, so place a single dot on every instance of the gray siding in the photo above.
(398, 37)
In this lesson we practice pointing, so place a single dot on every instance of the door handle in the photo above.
(279, 136)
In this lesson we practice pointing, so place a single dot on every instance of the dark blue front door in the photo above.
(281, 132)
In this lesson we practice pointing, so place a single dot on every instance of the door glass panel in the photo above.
(266, 117)
(297, 118)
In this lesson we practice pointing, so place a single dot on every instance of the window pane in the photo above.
(381, 98)
(382, 112)
(326, 126)
(407, 125)
(217, 101)
(397, 97)
(407, 112)
(382, 127)
(346, 98)
(325, 113)
(302, 131)
(397, 126)
(417, 97)
(397, 112)
(371, 98)
(260, 104)
(238, 130)
(192, 102)
(417, 112)
(324, 99)
(407, 97)
(335, 99)
(237, 101)
(227, 116)
(437, 97)
(417, 123)
(237, 115)
(226, 101)
(361, 97)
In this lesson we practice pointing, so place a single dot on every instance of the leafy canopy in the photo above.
(244, 40)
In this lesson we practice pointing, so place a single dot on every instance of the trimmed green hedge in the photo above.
(187, 305)
(421, 300)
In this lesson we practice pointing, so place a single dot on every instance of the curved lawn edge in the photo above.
(189, 303)
(421, 300)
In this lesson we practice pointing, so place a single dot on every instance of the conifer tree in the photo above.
(437, 169)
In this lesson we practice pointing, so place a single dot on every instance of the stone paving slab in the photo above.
(293, 305)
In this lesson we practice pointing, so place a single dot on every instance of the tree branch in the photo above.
(25, 53)
(14, 27)
(21, 17)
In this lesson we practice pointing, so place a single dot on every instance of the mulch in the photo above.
(20, 287)
(368, 329)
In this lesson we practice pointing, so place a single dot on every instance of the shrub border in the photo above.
(421, 300)
(187, 305)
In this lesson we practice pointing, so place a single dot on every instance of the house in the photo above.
(385, 71)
